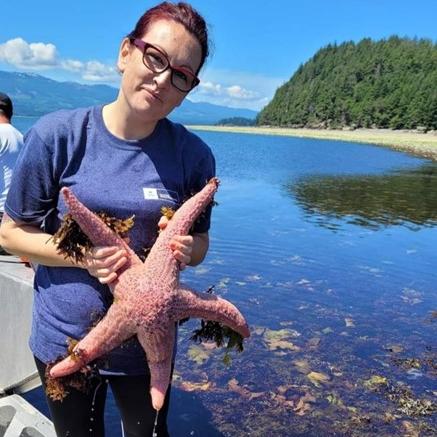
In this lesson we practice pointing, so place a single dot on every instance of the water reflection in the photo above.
(406, 197)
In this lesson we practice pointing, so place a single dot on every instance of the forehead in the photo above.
(180, 45)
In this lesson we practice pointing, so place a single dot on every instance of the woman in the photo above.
(123, 158)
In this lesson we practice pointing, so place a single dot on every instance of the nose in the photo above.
(163, 80)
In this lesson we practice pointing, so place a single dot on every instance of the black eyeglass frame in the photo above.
(143, 46)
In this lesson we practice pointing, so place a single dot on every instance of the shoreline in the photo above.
(420, 144)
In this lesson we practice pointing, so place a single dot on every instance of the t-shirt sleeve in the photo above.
(33, 191)
(202, 173)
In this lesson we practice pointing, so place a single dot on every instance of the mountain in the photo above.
(206, 113)
(391, 83)
(35, 95)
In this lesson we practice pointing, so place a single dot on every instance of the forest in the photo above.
(390, 83)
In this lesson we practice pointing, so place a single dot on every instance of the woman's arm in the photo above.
(38, 246)
(32, 242)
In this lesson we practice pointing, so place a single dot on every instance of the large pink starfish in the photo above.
(148, 298)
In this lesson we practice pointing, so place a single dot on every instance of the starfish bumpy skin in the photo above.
(148, 298)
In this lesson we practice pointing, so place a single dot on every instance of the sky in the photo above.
(257, 45)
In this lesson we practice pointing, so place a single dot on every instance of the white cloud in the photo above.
(72, 65)
(22, 54)
(95, 71)
(209, 88)
(236, 89)
(238, 92)
(234, 95)
(41, 56)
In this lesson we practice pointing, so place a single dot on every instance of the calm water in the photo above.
(328, 248)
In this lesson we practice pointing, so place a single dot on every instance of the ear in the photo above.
(124, 54)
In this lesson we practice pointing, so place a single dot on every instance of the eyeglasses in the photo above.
(155, 60)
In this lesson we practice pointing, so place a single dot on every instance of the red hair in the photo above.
(181, 13)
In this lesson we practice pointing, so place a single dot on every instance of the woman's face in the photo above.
(151, 96)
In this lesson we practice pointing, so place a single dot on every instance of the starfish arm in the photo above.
(160, 258)
(209, 307)
(96, 230)
(110, 332)
(185, 216)
(159, 351)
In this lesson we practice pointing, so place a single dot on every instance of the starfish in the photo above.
(148, 297)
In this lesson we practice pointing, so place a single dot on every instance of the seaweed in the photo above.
(215, 331)
(72, 241)
(58, 388)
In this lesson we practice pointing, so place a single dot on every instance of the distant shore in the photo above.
(419, 144)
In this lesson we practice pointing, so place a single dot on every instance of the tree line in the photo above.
(236, 121)
(391, 83)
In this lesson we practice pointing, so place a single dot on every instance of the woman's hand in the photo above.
(181, 245)
(104, 262)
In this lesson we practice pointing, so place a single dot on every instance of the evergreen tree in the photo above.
(391, 83)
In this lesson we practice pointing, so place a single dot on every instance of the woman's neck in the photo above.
(124, 125)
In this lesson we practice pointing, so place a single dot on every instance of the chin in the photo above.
(150, 116)
(149, 111)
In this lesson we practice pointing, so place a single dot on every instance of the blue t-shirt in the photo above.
(123, 178)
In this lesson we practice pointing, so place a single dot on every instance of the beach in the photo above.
(419, 144)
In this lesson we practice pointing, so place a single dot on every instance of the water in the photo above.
(23, 123)
(328, 248)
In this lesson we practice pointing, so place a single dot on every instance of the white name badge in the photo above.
(160, 194)
(150, 193)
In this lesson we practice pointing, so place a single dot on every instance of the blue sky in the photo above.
(257, 44)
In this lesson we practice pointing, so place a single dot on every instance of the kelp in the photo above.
(72, 241)
(58, 388)
(221, 335)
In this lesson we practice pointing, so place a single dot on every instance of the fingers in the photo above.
(163, 222)
(103, 257)
(183, 259)
(182, 247)
(104, 262)
(102, 252)
(107, 274)
(183, 240)
(107, 279)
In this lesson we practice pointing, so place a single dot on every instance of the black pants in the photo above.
(82, 414)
